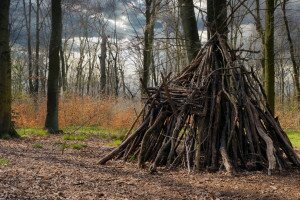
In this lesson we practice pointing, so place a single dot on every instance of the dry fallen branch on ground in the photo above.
(213, 115)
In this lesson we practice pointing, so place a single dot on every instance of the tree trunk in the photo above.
(29, 48)
(6, 125)
(269, 54)
(260, 31)
(292, 53)
(148, 41)
(51, 123)
(37, 57)
(63, 69)
(115, 72)
(189, 24)
(102, 58)
(37, 49)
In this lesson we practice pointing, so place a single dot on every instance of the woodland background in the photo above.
(103, 48)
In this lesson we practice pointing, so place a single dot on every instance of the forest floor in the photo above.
(65, 167)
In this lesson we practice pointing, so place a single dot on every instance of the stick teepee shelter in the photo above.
(213, 115)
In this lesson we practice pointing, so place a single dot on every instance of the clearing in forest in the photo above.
(65, 167)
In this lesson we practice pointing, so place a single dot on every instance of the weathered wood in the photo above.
(213, 114)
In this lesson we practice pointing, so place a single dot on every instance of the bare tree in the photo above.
(28, 23)
(269, 54)
(6, 125)
(37, 48)
(292, 53)
(151, 7)
(51, 123)
(102, 58)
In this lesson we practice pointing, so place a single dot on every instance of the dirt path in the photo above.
(39, 170)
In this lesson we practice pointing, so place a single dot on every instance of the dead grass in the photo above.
(78, 111)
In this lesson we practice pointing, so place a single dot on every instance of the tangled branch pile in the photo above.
(213, 115)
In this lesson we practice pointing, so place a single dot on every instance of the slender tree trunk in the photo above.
(43, 73)
(37, 49)
(63, 69)
(122, 75)
(148, 41)
(102, 58)
(37, 57)
(282, 84)
(51, 123)
(6, 125)
(113, 87)
(292, 53)
(116, 74)
(65, 57)
(79, 68)
(260, 31)
(90, 66)
(189, 24)
(91, 62)
(29, 46)
(269, 54)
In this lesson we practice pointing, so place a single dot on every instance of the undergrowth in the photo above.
(84, 117)
(76, 111)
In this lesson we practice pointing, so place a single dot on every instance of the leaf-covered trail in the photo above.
(37, 169)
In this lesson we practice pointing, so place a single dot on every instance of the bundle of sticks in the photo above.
(212, 116)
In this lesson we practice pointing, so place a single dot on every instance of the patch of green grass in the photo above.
(65, 145)
(103, 133)
(294, 136)
(26, 132)
(77, 146)
(4, 162)
(79, 137)
(115, 143)
(37, 146)
(75, 133)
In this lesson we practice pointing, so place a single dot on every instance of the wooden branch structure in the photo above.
(213, 115)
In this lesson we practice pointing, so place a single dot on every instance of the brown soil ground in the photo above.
(43, 172)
